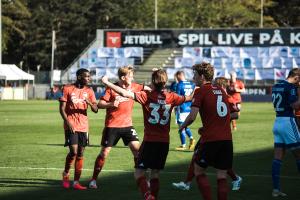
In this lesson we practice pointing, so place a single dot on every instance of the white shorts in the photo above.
(286, 133)
(181, 117)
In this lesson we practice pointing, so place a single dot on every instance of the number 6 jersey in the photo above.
(212, 102)
(157, 109)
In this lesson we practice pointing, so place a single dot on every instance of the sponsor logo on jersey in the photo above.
(121, 99)
(77, 100)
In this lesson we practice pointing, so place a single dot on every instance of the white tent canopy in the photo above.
(12, 73)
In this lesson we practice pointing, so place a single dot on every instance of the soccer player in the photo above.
(157, 108)
(236, 180)
(174, 83)
(286, 134)
(73, 109)
(184, 88)
(118, 121)
(215, 147)
(236, 87)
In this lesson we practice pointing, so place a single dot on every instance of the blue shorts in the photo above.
(286, 133)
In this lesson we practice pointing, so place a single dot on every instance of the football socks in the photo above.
(222, 189)
(276, 165)
(204, 186)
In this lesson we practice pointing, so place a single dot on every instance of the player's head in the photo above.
(294, 76)
(222, 82)
(126, 74)
(83, 76)
(180, 76)
(159, 79)
(203, 72)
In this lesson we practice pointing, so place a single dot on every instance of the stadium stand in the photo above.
(255, 64)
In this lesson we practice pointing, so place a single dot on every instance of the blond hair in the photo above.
(159, 79)
(123, 71)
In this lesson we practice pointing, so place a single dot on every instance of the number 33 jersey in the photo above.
(157, 109)
(283, 95)
(214, 110)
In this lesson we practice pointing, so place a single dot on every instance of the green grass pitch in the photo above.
(32, 157)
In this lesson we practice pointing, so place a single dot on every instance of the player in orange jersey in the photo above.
(73, 109)
(236, 87)
(157, 108)
(118, 120)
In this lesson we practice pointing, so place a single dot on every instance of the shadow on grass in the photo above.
(254, 167)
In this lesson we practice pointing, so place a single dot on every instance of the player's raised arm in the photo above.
(102, 104)
(117, 89)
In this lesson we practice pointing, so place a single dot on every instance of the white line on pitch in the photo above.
(131, 171)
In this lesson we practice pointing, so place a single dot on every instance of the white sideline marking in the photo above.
(131, 171)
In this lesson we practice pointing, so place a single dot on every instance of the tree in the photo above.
(14, 16)
(286, 13)
(212, 14)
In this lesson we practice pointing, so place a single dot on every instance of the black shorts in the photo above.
(80, 138)
(152, 155)
(218, 154)
(111, 136)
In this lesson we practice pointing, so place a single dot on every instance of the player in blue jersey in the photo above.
(173, 85)
(184, 88)
(286, 133)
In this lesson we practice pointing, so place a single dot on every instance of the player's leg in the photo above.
(223, 163)
(191, 174)
(156, 162)
(99, 163)
(141, 181)
(154, 182)
(200, 166)
(134, 147)
(295, 143)
(110, 136)
(180, 120)
(222, 184)
(140, 169)
(70, 158)
(182, 140)
(82, 143)
(202, 181)
(185, 185)
(192, 140)
(279, 153)
(130, 138)
(296, 153)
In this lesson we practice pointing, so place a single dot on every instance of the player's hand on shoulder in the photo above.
(116, 103)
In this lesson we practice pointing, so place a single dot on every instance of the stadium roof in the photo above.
(12, 72)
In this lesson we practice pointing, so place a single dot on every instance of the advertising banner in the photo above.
(177, 38)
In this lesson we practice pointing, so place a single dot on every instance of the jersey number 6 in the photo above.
(221, 107)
